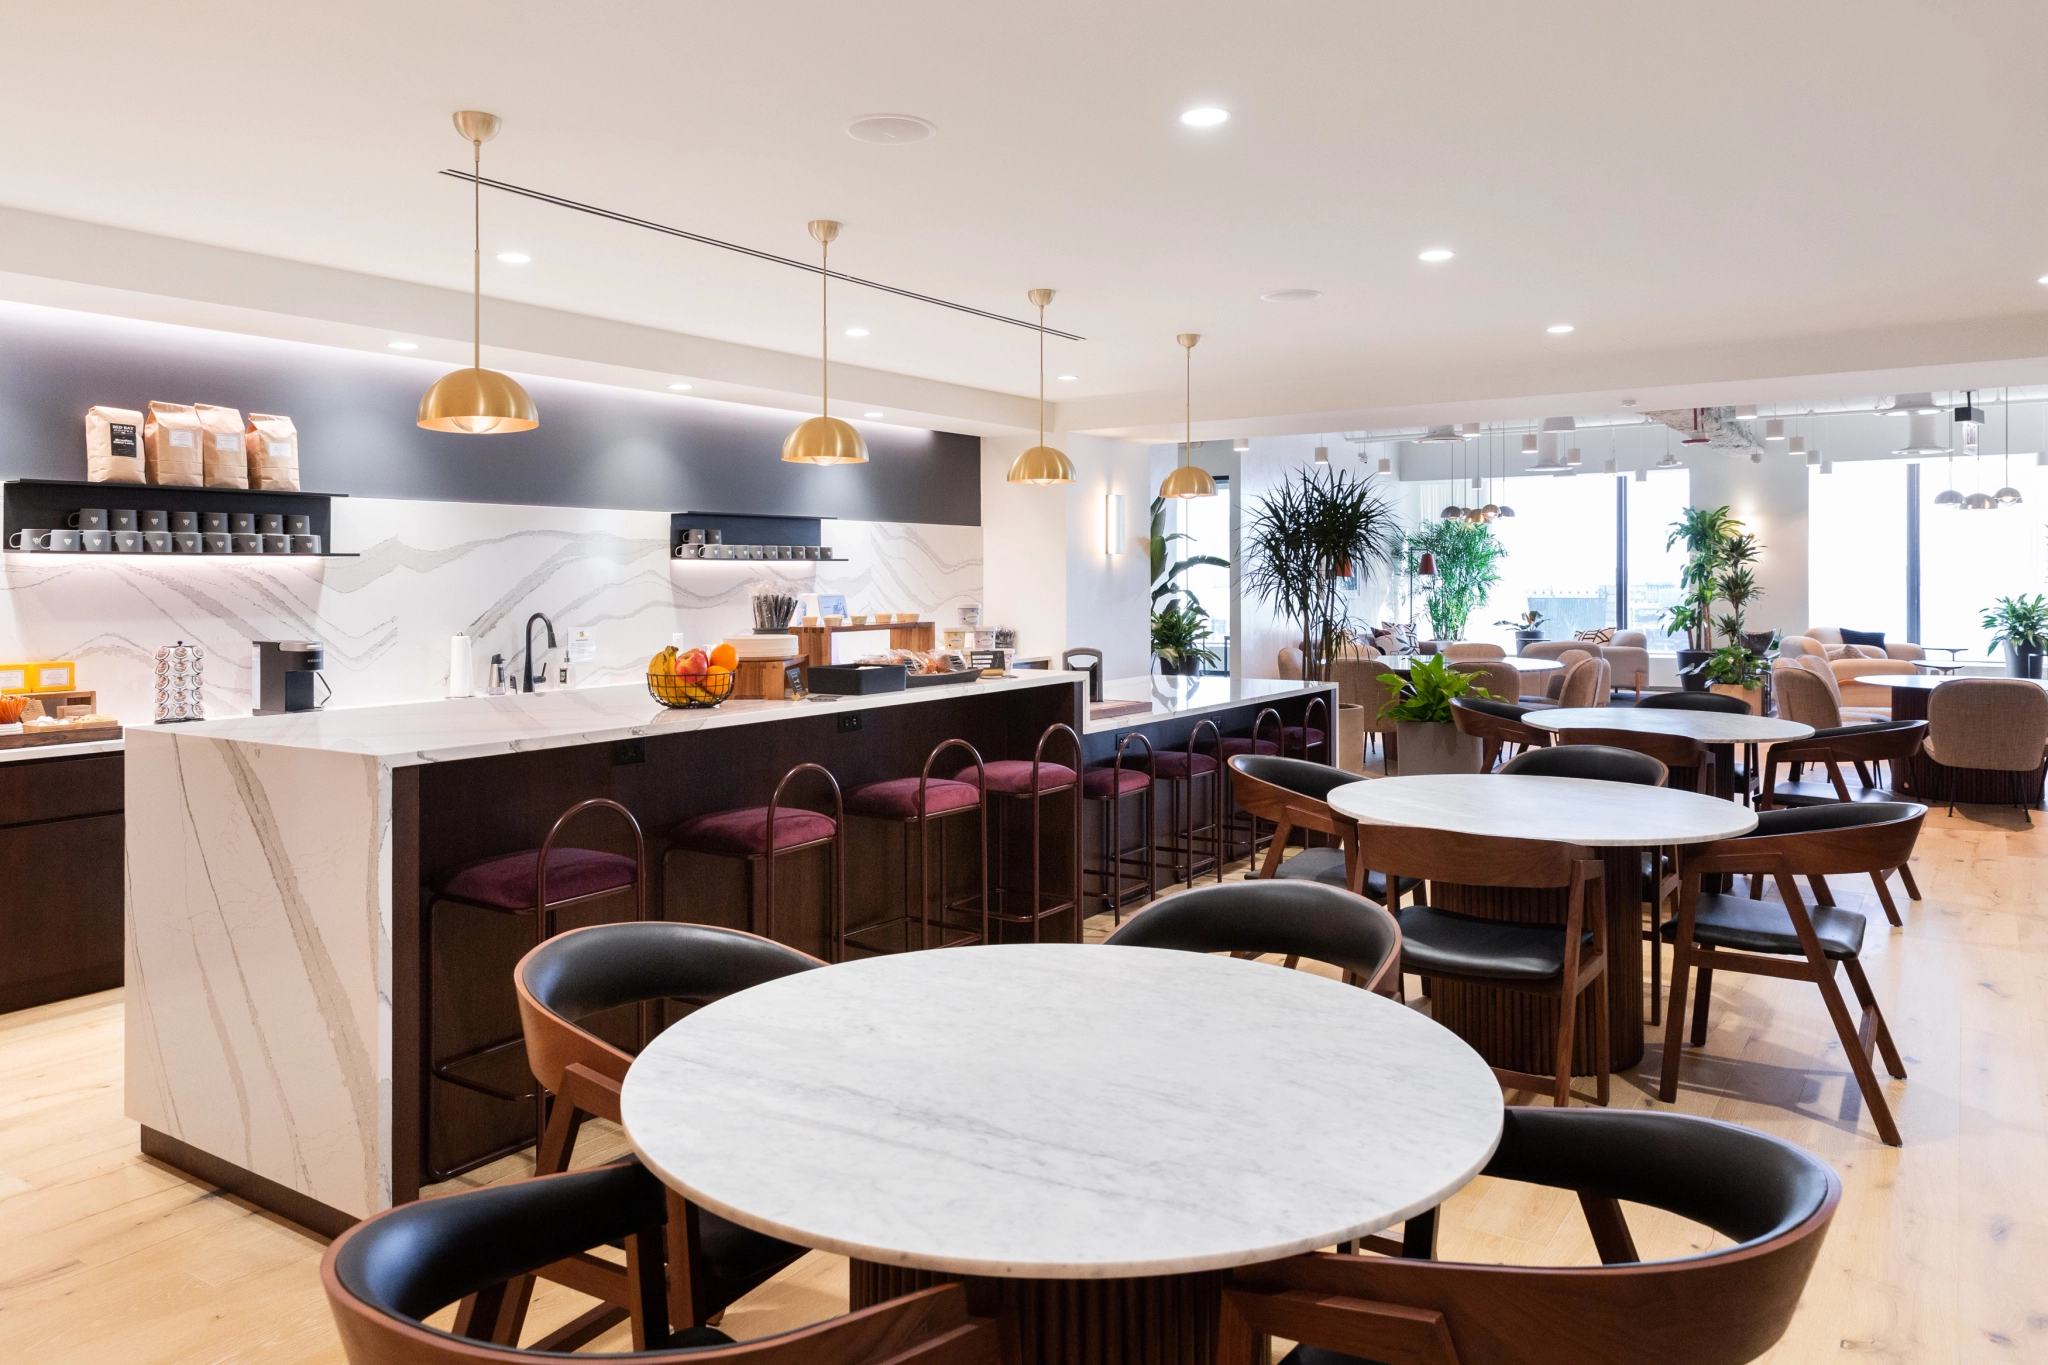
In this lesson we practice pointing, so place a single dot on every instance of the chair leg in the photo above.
(1859, 1061)
(1602, 1044)
(1701, 1000)
(1674, 1016)
(1868, 1000)
(1912, 887)
(1884, 898)
(1567, 1012)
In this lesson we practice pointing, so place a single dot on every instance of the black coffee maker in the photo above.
(283, 673)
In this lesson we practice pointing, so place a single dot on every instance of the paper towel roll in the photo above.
(461, 671)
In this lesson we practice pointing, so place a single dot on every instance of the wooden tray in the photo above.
(35, 737)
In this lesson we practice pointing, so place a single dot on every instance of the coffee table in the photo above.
(1618, 819)
(1086, 1136)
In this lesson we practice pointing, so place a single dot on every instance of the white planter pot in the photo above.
(1434, 747)
(1351, 738)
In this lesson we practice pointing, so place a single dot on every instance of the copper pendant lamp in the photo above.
(1042, 463)
(824, 439)
(1189, 480)
(477, 401)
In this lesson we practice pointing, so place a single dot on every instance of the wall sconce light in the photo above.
(1113, 524)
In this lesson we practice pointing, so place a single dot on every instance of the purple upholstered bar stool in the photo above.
(919, 802)
(765, 835)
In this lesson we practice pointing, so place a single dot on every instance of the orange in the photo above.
(725, 656)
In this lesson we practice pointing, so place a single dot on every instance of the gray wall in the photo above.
(596, 446)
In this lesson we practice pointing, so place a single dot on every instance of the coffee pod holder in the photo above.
(180, 678)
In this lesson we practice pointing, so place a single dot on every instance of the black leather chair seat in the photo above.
(1766, 926)
(1326, 865)
(735, 1258)
(1438, 943)
(1316, 1355)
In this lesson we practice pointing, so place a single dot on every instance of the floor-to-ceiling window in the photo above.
(1654, 503)
(1856, 546)
(1969, 559)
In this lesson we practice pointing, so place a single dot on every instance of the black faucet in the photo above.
(530, 673)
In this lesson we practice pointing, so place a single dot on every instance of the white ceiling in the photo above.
(1704, 190)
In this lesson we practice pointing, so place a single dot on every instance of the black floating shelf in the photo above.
(741, 530)
(50, 503)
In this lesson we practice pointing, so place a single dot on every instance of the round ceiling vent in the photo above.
(893, 129)
(1292, 295)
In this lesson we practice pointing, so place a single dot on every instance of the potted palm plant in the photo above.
(1467, 566)
(1178, 636)
(1425, 737)
(1708, 535)
(2020, 625)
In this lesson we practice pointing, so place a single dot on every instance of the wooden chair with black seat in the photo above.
(586, 973)
(388, 1274)
(1558, 961)
(1498, 726)
(1724, 932)
(1723, 1306)
(1292, 793)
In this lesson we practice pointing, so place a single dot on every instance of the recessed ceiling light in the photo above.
(680, 388)
(1436, 254)
(856, 331)
(403, 345)
(1208, 116)
(1292, 295)
(891, 129)
(514, 257)
(1559, 329)
(874, 414)
(1068, 378)
(2042, 280)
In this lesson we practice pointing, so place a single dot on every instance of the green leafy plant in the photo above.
(1715, 544)
(1467, 566)
(1178, 634)
(1308, 537)
(1166, 576)
(2019, 622)
(1733, 665)
(1426, 693)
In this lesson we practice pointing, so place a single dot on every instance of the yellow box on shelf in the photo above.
(46, 676)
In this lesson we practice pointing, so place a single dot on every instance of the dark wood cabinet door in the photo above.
(60, 910)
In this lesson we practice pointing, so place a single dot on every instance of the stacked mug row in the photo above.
(715, 550)
(98, 530)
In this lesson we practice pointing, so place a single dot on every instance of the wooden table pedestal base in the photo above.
(1149, 1320)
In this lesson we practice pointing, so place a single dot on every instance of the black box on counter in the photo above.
(857, 680)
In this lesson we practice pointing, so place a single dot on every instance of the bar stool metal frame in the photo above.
(1181, 828)
(1249, 745)
(543, 912)
(836, 884)
(1040, 911)
(1115, 853)
(923, 817)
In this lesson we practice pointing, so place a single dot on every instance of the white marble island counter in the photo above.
(279, 870)
(1173, 697)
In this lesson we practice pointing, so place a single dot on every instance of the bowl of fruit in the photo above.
(692, 677)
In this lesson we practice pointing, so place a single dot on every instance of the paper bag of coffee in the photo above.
(170, 446)
(273, 452)
(224, 459)
(113, 446)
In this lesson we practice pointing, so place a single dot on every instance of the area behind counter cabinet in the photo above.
(60, 873)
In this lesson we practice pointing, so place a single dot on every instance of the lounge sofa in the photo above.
(1848, 662)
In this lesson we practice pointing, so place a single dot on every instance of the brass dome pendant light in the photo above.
(1042, 463)
(477, 401)
(1189, 480)
(824, 439)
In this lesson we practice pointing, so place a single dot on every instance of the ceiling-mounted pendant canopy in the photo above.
(1188, 480)
(1042, 464)
(824, 439)
(1923, 436)
(1440, 435)
(1912, 405)
(477, 401)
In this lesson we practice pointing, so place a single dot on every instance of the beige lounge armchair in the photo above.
(1823, 710)
(1860, 661)
(1627, 655)
(1990, 724)
(1467, 651)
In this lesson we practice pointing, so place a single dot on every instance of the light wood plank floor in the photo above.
(1939, 1253)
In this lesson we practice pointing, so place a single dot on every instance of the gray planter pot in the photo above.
(2022, 663)
(1428, 746)
(1525, 638)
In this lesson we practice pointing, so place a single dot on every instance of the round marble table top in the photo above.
(1708, 727)
(1401, 663)
(1566, 810)
(1061, 1111)
(1924, 682)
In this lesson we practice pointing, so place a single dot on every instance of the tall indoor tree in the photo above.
(1467, 557)
(1306, 538)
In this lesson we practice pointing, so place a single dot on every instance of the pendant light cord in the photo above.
(1188, 446)
(476, 258)
(1041, 374)
(825, 328)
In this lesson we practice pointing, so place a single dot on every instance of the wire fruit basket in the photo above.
(691, 693)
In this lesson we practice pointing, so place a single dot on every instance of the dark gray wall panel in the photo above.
(596, 446)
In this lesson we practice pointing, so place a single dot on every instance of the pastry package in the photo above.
(223, 458)
(170, 445)
(113, 446)
(273, 444)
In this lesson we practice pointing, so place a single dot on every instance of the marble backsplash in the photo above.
(430, 569)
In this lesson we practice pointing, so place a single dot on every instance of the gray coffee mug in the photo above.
(270, 523)
(295, 525)
(88, 519)
(242, 523)
(305, 545)
(215, 542)
(187, 542)
(276, 545)
(155, 521)
(128, 542)
(156, 542)
(96, 542)
(186, 521)
(25, 538)
(213, 523)
(121, 519)
(60, 540)
(247, 544)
